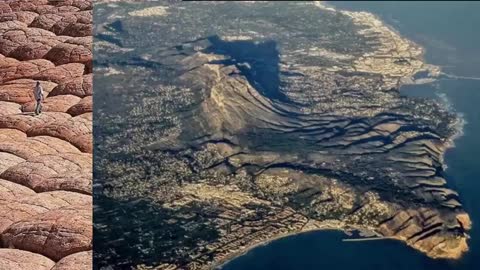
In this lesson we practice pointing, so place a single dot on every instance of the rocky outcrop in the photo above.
(75, 50)
(7, 108)
(9, 160)
(55, 234)
(20, 91)
(80, 261)
(62, 171)
(77, 130)
(11, 69)
(25, 121)
(83, 106)
(62, 73)
(37, 146)
(46, 168)
(15, 259)
(81, 87)
(18, 208)
(54, 104)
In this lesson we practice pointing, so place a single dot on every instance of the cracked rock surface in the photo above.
(46, 160)
(16, 259)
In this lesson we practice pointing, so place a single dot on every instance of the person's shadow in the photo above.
(27, 113)
(258, 61)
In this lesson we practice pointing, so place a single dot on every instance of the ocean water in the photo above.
(449, 31)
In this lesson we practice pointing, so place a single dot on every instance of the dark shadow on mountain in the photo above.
(258, 61)
(108, 38)
(115, 30)
(116, 26)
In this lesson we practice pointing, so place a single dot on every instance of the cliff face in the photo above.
(242, 136)
(46, 160)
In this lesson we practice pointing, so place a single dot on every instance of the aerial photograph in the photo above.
(280, 135)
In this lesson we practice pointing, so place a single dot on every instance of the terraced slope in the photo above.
(46, 160)
(226, 125)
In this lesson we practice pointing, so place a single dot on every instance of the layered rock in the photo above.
(45, 187)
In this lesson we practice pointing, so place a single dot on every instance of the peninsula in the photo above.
(233, 124)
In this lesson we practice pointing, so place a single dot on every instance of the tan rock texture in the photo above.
(15, 259)
(46, 160)
(80, 261)
(55, 234)
(66, 171)
(81, 87)
(83, 106)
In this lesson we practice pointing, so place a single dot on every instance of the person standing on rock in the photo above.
(38, 93)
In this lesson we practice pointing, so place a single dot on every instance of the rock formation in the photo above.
(46, 160)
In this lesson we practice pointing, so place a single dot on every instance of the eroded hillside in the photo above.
(242, 122)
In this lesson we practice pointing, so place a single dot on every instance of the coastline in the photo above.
(323, 226)
(434, 71)
(404, 48)
(219, 265)
(406, 78)
(230, 251)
